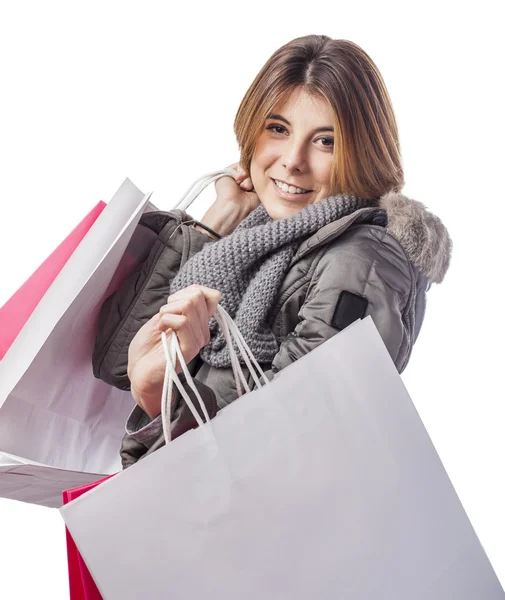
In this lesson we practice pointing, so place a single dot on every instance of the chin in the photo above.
(280, 212)
(277, 206)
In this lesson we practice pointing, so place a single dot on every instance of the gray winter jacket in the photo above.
(377, 261)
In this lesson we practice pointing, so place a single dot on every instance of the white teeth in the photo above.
(289, 188)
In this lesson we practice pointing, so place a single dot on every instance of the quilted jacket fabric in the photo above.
(378, 261)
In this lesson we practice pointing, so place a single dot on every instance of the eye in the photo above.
(331, 142)
(276, 127)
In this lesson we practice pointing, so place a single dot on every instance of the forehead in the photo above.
(300, 103)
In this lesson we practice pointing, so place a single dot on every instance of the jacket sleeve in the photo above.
(366, 272)
(144, 435)
(363, 273)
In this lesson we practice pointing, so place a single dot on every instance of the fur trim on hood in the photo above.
(421, 233)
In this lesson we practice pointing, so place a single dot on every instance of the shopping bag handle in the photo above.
(229, 328)
(200, 184)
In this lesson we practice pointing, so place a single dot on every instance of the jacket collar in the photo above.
(421, 234)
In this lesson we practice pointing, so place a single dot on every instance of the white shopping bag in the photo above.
(59, 426)
(322, 484)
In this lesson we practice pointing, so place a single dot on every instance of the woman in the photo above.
(311, 234)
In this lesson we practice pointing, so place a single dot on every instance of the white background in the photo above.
(95, 92)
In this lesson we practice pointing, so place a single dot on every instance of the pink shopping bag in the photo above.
(15, 312)
(82, 586)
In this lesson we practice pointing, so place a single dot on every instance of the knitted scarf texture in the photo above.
(248, 267)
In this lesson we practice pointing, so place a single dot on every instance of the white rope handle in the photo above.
(170, 377)
(224, 320)
(229, 328)
(200, 184)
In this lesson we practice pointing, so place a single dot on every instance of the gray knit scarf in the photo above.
(248, 267)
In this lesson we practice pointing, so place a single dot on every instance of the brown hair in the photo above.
(367, 159)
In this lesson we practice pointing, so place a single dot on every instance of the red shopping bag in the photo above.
(16, 311)
(82, 586)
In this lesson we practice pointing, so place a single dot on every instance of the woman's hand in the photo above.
(236, 198)
(187, 312)
(238, 191)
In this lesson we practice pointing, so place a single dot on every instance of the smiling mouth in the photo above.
(289, 195)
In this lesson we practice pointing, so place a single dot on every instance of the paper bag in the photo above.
(81, 584)
(16, 311)
(59, 426)
(323, 484)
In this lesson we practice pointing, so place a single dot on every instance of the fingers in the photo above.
(187, 312)
(246, 185)
(198, 302)
(202, 293)
(181, 325)
(212, 299)
(243, 177)
(195, 313)
(244, 180)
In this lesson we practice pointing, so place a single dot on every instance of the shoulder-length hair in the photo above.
(367, 159)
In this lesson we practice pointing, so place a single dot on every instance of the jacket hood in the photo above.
(422, 234)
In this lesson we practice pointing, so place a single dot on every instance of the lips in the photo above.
(290, 185)
(288, 196)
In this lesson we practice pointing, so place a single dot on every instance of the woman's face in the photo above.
(295, 149)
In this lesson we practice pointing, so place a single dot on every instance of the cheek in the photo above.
(257, 169)
(325, 175)
(254, 172)
(263, 155)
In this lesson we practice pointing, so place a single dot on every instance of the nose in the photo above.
(294, 158)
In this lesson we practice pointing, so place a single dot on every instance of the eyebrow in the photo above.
(284, 120)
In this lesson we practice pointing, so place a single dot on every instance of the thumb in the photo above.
(212, 297)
